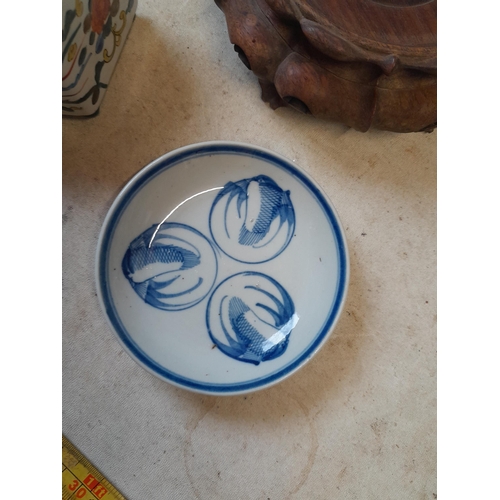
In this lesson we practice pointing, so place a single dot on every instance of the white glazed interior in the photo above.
(308, 269)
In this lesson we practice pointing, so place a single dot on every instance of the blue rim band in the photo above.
(107, 236)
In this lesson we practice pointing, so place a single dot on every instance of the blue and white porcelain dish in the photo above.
(222, 268)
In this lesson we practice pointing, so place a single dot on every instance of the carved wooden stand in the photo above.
(366, 63)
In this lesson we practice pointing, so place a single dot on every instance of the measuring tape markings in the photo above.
(81, 480)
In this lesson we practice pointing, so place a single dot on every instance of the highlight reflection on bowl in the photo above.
(171, 266)
(250, 317)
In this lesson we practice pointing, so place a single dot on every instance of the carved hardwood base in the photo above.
(365, 63)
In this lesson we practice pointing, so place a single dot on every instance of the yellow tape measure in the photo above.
(80, 479)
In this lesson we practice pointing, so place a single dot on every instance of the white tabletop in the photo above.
(357, 422)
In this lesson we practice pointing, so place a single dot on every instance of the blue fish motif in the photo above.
(161, 257)
(246, 334)
(265, 211)
(274, 202)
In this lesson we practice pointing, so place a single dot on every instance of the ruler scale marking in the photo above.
(81, 480)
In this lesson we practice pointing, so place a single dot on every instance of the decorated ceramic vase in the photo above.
(93, 35)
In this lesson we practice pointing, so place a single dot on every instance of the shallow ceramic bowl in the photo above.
(222, 268)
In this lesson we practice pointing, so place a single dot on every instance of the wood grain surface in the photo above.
(365, 63)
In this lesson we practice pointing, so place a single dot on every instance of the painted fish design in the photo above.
(264, 213)
(158, 264)
(248, 333)
(265, 202)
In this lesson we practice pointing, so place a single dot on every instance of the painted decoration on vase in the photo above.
(93, 34)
